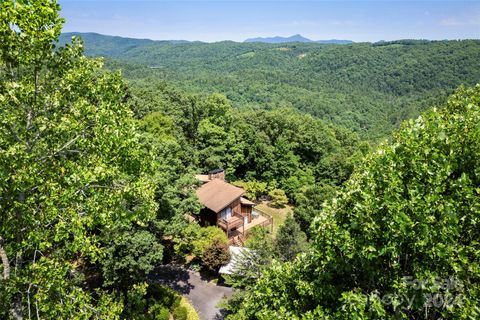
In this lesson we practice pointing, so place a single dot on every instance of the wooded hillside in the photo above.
(368, 88)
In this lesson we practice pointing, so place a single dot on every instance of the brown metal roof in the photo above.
(218, 194)
(246, 202)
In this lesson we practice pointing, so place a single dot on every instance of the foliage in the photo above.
(206, 238)
(83, 190)
(185, 311)
(130, 257)
(93, 172)
(158, 312)
(368, 88)
(195, 240)
(251, 262)
(278, 198)
(216, 255)
(154, 301)
(264, 150)
(253, 188)
(290, 240)
(310, 204)
(402, 235)
(176, 198)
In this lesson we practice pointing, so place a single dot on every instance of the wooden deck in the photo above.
(235, 221)
(237, 231)
(238, 236)
(259, 221)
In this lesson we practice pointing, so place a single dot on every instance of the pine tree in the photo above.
(290, 240)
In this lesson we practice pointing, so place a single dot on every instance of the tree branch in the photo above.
(68, 144)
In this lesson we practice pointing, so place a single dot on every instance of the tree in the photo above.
(279, 199)
(71, 168)
(212, 145)
(195, 240)
(290, 240)
(131, 256)
(310, 204)
(216, 255)
(207, 237)
(251, 262)
(401, 240)
(253, 188)
(368, 88)
(177, 198)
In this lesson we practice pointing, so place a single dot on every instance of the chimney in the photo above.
(216, 174)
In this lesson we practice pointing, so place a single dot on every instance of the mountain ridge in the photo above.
(295, 38)
(277, 39)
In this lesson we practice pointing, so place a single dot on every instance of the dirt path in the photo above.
(204, 296)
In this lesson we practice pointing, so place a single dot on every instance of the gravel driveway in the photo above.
(204, 296)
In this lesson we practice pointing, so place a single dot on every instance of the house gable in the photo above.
(218, 194)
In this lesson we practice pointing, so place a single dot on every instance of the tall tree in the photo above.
(70, 167)
(290, 240)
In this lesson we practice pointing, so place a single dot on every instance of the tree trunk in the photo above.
(5, 263)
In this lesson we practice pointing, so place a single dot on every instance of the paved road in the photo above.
(204, 296)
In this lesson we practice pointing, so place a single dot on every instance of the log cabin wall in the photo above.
(235, 206)
(207, 218)
(247, 211)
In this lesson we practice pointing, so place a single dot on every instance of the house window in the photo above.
(226, 213)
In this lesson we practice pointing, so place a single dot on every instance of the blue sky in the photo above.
(237, 20)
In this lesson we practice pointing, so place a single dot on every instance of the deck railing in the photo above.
(269, 218)
(231, 223)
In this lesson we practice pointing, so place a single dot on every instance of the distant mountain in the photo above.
(296, 38)
(180, 41)
(111, 46)
(103, 45)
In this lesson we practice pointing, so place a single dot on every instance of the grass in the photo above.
(185, 311)
(278, 215)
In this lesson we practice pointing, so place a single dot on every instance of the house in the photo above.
(225, 207)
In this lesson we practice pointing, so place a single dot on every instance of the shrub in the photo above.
(156, 302)
(164, 295)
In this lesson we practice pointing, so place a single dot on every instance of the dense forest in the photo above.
(97, 173)
(368, 88)
(399, 241)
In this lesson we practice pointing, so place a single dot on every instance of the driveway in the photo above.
(204, 296)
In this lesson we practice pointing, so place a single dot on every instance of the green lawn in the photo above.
(278, 215)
